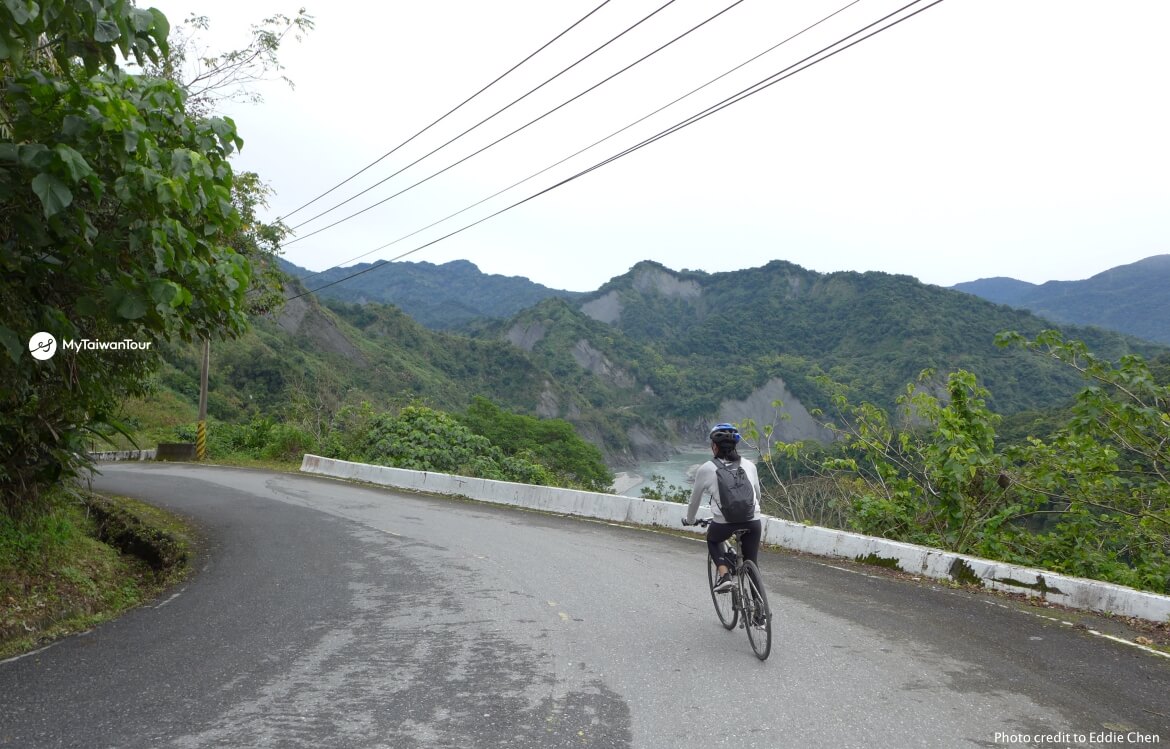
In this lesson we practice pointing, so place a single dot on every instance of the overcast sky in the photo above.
(1022, 138)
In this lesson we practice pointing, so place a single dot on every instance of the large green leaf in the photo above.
(22, 11)
(164, 292)
(106, 31)
(54, 195)
(34, 155)
(131, 307)
(162, 29)
(11, 343)
(76, 164)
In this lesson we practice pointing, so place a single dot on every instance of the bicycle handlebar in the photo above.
(699, 522)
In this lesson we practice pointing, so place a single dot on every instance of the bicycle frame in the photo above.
(749, 602)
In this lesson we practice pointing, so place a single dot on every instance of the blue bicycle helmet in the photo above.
(721, 432)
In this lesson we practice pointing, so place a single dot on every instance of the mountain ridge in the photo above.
(1132, 298)
(443, 296)
(648, 360)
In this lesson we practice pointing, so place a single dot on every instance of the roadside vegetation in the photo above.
(1087, 494)
(484, 442)
(123, 221)
(84, 561)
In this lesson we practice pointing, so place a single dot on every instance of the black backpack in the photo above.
(737, 498)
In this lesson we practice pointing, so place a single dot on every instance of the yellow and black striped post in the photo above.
(201, 431)
(201, 441)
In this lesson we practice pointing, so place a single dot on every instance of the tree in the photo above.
(551, 442)
(210, 78)
(1091, 497)
(423, 439)
(1101, 483)
(116, 220)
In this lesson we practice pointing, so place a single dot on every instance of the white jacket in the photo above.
(706, 483)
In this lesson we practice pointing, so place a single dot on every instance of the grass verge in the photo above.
(84, 562)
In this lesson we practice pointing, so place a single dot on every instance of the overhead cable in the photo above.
(756, 88)
(448, 114)
(468, 130)
(588, 147)
(522, 127)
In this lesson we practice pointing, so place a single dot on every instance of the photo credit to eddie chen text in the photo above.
(1070, 739)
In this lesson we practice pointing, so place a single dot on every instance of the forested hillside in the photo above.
(441, 297)
(695, 340)
(310, 362)
(645, 362)
(1132, 299)
(338, 353)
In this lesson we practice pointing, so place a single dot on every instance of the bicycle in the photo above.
(745, 604)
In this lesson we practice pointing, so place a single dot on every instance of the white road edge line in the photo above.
(1093, 632)
(1123, 641)
(15, 658)
(164, 603)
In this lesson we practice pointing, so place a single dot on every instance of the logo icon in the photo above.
(42, 346)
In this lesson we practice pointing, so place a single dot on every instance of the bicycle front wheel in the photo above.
(756, 612)
(724, 608)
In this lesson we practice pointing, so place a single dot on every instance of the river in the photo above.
(678, 470)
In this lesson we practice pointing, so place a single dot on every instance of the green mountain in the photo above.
(441, 297)
(675, 351)
(644, 363)
(1132, 299)
(336, 352)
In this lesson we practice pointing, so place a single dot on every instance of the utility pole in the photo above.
(201, 434)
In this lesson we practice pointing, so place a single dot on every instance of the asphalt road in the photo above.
(325, 614)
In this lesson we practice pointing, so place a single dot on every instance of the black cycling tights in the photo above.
(717, 533)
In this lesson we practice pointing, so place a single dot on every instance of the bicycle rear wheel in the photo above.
(728, 614)
(756, 612)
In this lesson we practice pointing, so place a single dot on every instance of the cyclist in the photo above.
(724, 438)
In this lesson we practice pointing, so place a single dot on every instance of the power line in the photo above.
(489, 117)
(767, 82)
(756, 88)
(590, 146)
(436, 122)
(522, 127)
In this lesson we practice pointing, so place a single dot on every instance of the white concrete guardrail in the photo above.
(1074, 592)
(118, 455)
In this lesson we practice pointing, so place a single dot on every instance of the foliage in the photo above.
(261, 438)
(116, 210)
(1103, 481)
(441, 297)
(1091, 498)
(423, 439)
(58, 575)
(871, 332)
(666, 365)
(406, 360)
(550, 442)
(95, 33)
(664, 492)
(936, 481)
(212, 78)
(122, 219)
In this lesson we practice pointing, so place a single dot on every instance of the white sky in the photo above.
(1023, 138)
